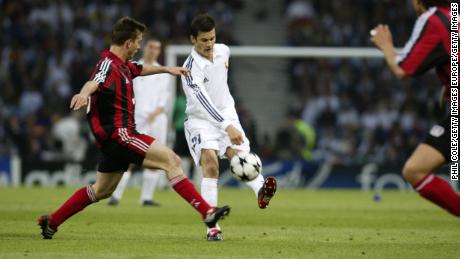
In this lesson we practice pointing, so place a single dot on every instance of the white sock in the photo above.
(197, 175)
(121, 186)
(256, 184)
(149, 182)
(209, 193)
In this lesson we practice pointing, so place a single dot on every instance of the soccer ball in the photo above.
(245, 166)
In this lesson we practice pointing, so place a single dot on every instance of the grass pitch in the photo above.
(298, 224)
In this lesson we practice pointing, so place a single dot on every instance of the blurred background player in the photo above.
(212, 127)
(152, 95)
(428, 47)
(109, 98)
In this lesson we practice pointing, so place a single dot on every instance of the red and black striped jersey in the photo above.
(112, 105)
(429, 46)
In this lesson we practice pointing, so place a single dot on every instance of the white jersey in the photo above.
(152, 92)
(206, 89)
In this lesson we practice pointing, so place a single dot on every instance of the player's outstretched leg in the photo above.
(103, 187)
(161, 157)
(418, 171)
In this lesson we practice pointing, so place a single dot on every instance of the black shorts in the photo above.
(439, 138)
(123, 148)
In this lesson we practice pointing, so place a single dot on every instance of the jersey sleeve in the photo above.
(101, 73)
(135, 68)
(424, 48)
(198, 97)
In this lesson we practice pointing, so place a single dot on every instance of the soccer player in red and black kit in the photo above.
(111, 116)
(428, 47)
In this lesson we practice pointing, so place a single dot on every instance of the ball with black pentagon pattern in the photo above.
(245, 166)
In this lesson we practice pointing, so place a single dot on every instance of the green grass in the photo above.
(298, 224)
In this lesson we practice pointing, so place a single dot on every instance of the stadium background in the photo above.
(316, 122)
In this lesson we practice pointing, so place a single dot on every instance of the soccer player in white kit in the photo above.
(152, 95)
(212, 127)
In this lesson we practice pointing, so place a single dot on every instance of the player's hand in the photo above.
(178, 71)
(381, 36)
(236, 137)
(78, 101)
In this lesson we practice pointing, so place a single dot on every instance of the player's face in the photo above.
(152, 50)
(134, 45)
(204, 43)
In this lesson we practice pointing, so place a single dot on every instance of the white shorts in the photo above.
(158, 129)
(201, 134)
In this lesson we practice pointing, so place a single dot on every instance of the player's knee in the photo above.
(411, 172)
(408, 171)
(174, 162)
(210, 167)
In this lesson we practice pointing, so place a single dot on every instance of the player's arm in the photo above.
(196, 94)
(100, 76)
(152, 70)
(383, 39)
(81, 99)
(421, 52)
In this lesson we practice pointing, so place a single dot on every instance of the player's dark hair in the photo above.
(126, 28)
(202, 23)
(430, 3)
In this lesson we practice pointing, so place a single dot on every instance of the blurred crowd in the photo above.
(360, 112)
(343, 111)
(358, 109)
(48, 49)
(345, 22)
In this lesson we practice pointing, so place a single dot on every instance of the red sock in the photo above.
(78, 201)
(438, 191)
(185, 188)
